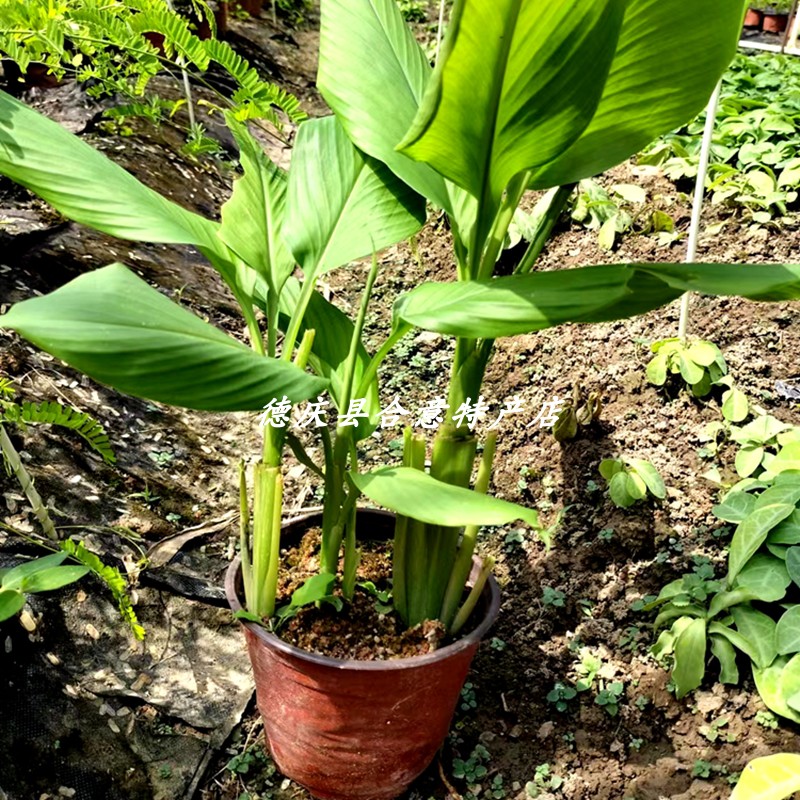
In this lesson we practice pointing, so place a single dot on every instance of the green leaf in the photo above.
(11, 603)
(669, 57)
(656, 371)
(373, 74)
(47, 580)
(413, 493)
(787, 632)
(118, 330)
(765, 576)
(788, 458)
(793, 564)
(343, 205)
(774, 777)
(735, 638)
(724, 652)
(769, 683)
(735, 406)
(516, 83)
(313, 590)
(649, 474)
(752, 533)
(759, 630)
(703, 353)
(735, 507)
(784, 492)
(690, 657)
(253, 216)
(788, 531)
(14, 577)
(517, 304)
(690, 372)
(46, 158)
(622, 490)
(748, 460)
(607, 235)
(609, 467)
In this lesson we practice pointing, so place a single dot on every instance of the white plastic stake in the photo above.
(439, 31)
(697, 204)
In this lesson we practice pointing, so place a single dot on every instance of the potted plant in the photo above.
(776, 16)
(754, 17)
(471, 137)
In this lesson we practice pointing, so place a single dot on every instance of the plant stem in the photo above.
(375, 362)
(14, 462)
(309, 285)
(544, 228)
(473, 597)
(463, 564)
(502, 221)
(697, 203)
(409, 552)
(244, 535)
(358, 328)
(352, 553)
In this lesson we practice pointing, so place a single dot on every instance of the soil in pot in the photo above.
(365, 629)
(350, 729)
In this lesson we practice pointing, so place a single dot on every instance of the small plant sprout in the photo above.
(716, 731)
(553, 597)
(766, 719)
(699, 363)
(580, 412)
(609, 696)
(474, 768)
(543, 781)
(560, 695)
(631, 480)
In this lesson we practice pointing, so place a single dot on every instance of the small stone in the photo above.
(63, 791)
(27, 621)
(545, 730)
(113, 725)
(92, 631)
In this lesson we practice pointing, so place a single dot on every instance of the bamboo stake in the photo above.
(26, 483)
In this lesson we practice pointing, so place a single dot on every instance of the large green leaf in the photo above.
(85, 185)
(414, 493)
(343, 205)
(113, 326)
(373, 74)
(89, 188)
(516, 84)
(253, 216)
(518, 304)
(669, 56)
(758, 629)
(690, 657)
(775, 777)
(777, 682)
(751, 533)
(11, 603)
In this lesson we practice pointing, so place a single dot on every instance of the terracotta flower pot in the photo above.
(774, 23)
(356, 730)
(753, 18)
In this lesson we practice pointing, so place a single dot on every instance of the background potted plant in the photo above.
(754, 17)
(776, 16)
(471, 137)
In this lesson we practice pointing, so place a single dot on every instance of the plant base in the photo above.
(356, 730)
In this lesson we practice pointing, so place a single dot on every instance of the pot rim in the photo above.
(411, 662)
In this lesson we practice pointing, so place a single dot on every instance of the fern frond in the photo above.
(112, 578)
(53, 413)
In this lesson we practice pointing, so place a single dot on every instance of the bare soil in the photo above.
(177, 468)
